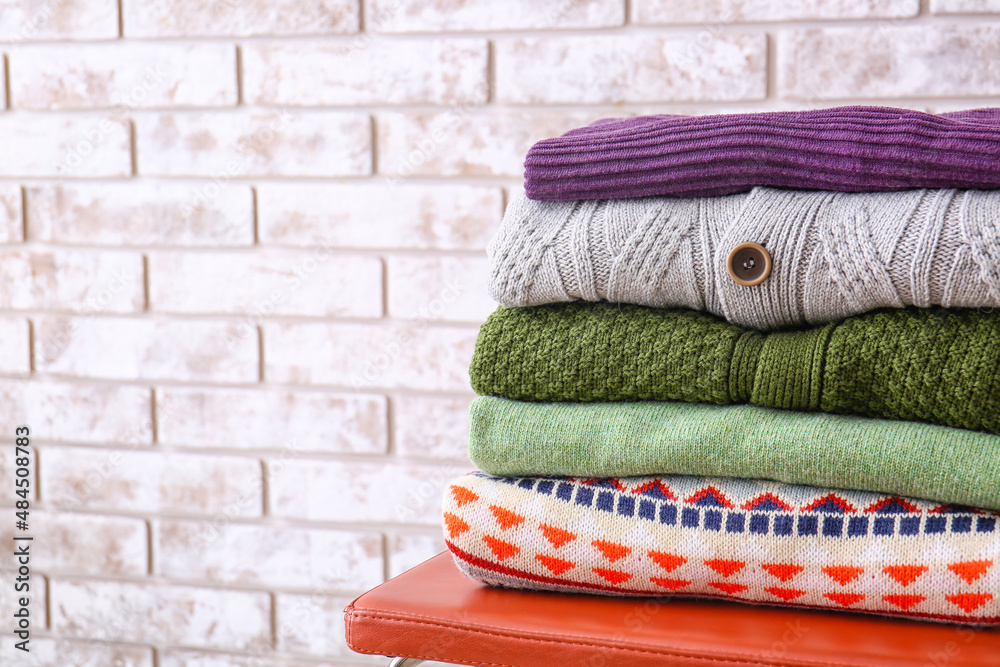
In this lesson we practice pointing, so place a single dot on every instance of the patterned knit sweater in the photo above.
(941, 367)
(834, 254)
(737, 539)
(848, 149)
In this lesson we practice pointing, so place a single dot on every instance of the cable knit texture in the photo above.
(846, 149)
(941, 367)
(626, 439)
(834, 254)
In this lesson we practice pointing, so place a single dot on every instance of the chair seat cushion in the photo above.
(433, 612)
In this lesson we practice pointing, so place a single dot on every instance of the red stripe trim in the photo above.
(503, 569)
(528, 576)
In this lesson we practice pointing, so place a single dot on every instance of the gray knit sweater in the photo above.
(834, 254)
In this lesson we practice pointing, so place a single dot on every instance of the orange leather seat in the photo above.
(433, 612)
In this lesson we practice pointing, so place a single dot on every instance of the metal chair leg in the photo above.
(405, 662)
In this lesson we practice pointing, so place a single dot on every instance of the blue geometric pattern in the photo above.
(827, 517)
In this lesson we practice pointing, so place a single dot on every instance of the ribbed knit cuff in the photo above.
(743, 369)
(790, 366)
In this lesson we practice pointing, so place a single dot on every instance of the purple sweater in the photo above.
(848, 149)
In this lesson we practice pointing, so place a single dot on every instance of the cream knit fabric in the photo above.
(834, 254)
(737, 539)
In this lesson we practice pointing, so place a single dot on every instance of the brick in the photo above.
(189, 18)
(460, 142)
(291, 421)
(141, 214)
(938, 107)
(15, 347)
(8, 474)
(81, 281)
(271, 556)
(123, 76)
(76, 146)
(26, 20)
(10, 602)
(138, 481)
(173, 658)
(426, 71)
(964, 6)
(382, 355)
(59, 651)
(11, 214)
(722, 12)
(448, 15)
(313, 625)
(408, 550)
(83, 544)
(77, 412)
(270, 282)
(360, 491)
(431, 427)
(368, 215)
(259, 658)
(452, 289)
(238, 145)
(153, 613)
(631, 68)
(144, 349)
(890, 62)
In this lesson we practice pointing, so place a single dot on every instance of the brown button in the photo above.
(749, 264)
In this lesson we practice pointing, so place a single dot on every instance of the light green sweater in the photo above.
(658, 438)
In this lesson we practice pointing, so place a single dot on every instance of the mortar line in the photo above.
(261, 376)
(239, 76)
(6, 81)
(24, 214)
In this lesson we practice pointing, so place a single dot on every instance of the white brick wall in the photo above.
(366, 215)
(123, 76)
(242, 267)
(140, 214)
(160, 613)
(612, 70)
(66, 146)
(338, 73)
(244, 419)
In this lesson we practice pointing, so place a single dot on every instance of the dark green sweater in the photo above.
(936, 366)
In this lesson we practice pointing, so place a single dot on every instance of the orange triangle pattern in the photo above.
(726, 568)
(502, 550)
(845, 599)
(505, 517)
(614, 576)
(462, 495)
(668, 562)
(904, 601)
(971, 570)
(671, 584)
(556, 536)
(454, 525)
(905, 574)
(728, 587)
(843, 574)
(611, 551)
(785, 593)
(783, 571)
(969, 601)
(554, 565)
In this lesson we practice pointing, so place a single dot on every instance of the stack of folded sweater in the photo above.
(751, 356)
